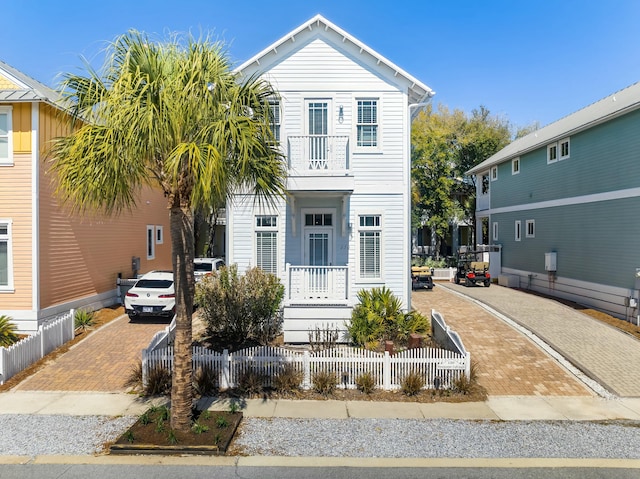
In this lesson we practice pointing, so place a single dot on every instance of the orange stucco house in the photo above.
(50, 260)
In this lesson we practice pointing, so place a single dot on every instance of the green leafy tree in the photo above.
(171, 114)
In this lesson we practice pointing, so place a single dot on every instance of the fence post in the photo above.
(225, 380)
(467, 364)
(386, 371)
(306, 368)
(145, 365)
(72, 324)
(41, 333)
(2, 363)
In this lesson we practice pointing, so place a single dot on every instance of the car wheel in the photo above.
(487, 283)
(457, 279)
(132, 317)
(467, 282)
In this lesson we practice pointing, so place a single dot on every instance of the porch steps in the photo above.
(302, 318)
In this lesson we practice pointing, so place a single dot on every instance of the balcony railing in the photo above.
(318, 154)
(317, 284)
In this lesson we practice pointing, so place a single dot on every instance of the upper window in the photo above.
(274, 118)
(267, 243)
(6, 274)
(494, 173)
(367, 123)
(151, 243)
(518, 232)
(495, 231)
(6, 136)
(369, 237)
(515, 166)
(159, 234)
(531, 228)
(564, 149)
(552, 153)
(485, 184)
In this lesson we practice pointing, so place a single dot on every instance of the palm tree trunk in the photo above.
(182, 242)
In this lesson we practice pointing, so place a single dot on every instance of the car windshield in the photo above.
(154, 283)
(203, 267)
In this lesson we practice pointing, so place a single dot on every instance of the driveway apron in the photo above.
(102, 362)
(509, 363)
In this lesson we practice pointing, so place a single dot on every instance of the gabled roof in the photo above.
(612, 106)
(28, 89)
(418, 91)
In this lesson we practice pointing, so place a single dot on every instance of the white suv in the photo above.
(206, 266)
(152, 295)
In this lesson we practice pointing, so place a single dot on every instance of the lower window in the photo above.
(370, 234)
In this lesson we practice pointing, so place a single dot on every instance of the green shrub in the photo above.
(324, 382)
(134, 379)
(288, 379)
(205, 381)
(8, 334)
(83, 319)
(158, 381)
(412, 383)
(366, 383)
(379, 317)
(466, 385)
(239, 307)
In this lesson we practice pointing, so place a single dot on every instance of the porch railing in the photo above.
(317, 283)
(318, 154)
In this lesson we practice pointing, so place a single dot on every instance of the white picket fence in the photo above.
(24, 353)
(438, 367)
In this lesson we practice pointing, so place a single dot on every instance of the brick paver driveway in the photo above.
(510, 364)
(101, 362)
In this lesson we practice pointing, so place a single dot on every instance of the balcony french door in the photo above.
(318, 257)
(318, 122)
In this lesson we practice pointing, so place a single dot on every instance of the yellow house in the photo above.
(50, 260)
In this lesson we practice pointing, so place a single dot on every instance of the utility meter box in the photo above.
(551, 261)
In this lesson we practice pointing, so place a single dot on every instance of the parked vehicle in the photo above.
(471, 269)
(205, 266)
(421, 277)
(152, 295)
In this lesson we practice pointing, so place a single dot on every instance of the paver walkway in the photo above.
(604, 353)
(101, 362)
(510, 364)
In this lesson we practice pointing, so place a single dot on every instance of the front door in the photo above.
(318, 123)
(318, 257)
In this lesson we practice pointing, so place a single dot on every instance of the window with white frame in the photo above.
(266, 231)
(367, 122)
(274, 118)
(494, 173)
(151, 243)
(159, 234)
(369, 243)
(518, 231)
(531, 229)
(485, 184)
(552, 153)
(495, 231)
(515, 166)
(6, 136)
(564, 149)
(6, 273)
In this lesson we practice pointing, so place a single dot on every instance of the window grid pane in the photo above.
(367, 123)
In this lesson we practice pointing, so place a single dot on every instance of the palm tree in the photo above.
(172, 114)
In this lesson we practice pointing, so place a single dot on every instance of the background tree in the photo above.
(445, 145)
(171, 114)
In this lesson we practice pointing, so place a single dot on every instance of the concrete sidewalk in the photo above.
(507, 408)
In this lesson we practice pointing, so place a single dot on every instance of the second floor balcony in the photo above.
(314, 157)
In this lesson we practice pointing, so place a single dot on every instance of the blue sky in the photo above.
(526, 61)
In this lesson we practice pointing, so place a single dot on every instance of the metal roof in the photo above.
(418, 91)
(30, 89)
(619, 103)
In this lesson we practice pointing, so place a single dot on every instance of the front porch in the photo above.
(316, 297)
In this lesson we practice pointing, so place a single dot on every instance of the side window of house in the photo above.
(267, 243)
(6, 276)
(6, 136)
(494, 173)
(151, 243)
(367, 123)
(515, 166)
(485, 184)
(564, 149)
(495, 231)
(369, 237)
(159, 234)
(531, 229)
(559, 150)
(274, 118)
(552, 153)
(518, 231)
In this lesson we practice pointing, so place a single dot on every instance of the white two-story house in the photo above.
(343, 117)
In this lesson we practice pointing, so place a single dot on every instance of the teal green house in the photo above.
(564, 204)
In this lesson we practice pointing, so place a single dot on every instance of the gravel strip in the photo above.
(433, 438)
(33, 435)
